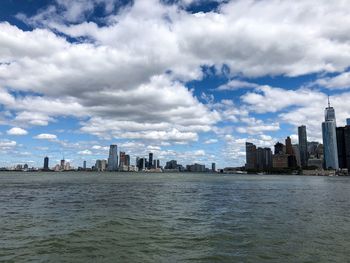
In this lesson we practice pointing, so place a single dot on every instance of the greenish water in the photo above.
(91, 217)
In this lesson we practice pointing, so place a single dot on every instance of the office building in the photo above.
(251, 156)
(303, 145)
(113, 158)
(279, 148)
(213, 167)
(343, 146)
(289, 147)
(150, 160)
(122, 159)
(330, 139)
(84, 165)
(46, 163)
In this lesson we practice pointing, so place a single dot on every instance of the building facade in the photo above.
(330, 139)
(113, 158)
(303, 147)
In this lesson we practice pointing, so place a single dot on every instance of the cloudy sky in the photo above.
(188, 80)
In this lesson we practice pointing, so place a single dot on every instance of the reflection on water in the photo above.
(91, 217)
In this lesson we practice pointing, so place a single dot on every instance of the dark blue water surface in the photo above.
(122, 217)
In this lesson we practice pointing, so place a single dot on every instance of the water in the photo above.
(91, 217)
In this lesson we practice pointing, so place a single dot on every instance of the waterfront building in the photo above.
(279, 148)
(260, 159)
(280, 161)
(127, 160)
(297, 154)
(330, 139)
(141, 163)
(113, 158)
(213, 167)
(150, 160)
(62, 164)
(303, 145)
(122, 159)
(46, 163)
(289, 147)
(196, 168)
(343, 146)
(171, 165)
(251, 156)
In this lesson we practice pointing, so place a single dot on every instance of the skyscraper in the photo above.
(341, 147)
(303, 145)
(279, 148)
(46, 163)
(150, 160)
(289, 147)
(84, 165)
(113, 158)
(122, 159)
(213, 167)
(330, 139)
(251, 162)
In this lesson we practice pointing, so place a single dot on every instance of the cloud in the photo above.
(211, 141)
(236, 84)
(341, 81)
(85, 152)
(16, 131)
(46, 136)
(7, 144)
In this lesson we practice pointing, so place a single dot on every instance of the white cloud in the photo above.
(7, 144)
(236, 84)
(341, 81)
(85, 152)
(17, 131)
(210, 141)
(46, 136)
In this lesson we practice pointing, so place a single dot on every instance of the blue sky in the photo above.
(188, 80)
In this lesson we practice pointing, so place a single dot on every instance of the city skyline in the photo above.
(181, 79)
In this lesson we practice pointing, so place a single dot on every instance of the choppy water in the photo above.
(91, 217)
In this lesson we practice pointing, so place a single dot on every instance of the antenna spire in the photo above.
(329, 104)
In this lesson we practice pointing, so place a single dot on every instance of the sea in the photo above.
(173, 217)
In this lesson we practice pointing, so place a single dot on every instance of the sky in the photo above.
(188, 80)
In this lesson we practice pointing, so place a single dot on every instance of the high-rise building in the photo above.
(127, 160)
(141, 163)
(348, 121)
(213, 167)
(279, 148)
(84, 165)
(303, 147)
(330, 139)
(297, 154)
(62, 164)
(122, 159)
(46, 163)
(113, 158)
(171, 165)
(289, 146)
(341, 147)
(251, 154)
(150, 160)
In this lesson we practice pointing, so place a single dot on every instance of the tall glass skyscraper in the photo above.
(303, 145)
(113, 158)
(330, 139)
